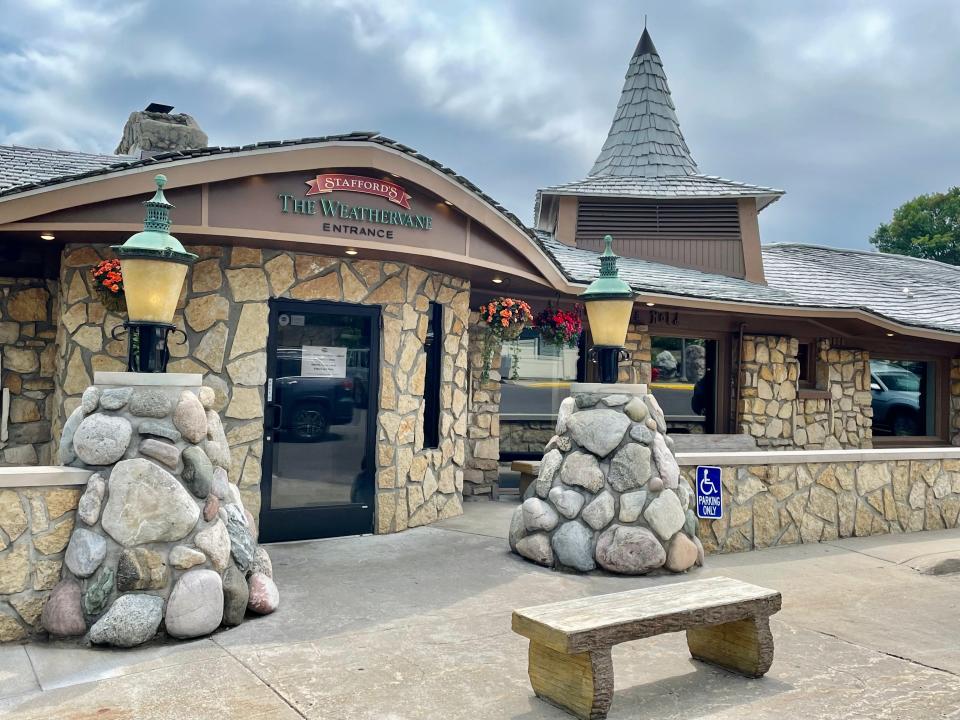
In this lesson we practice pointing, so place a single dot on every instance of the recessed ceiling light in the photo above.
(498, 280)
(447, 202)
(46, 236)
(649, 304)
(350, 251)
(889, 334)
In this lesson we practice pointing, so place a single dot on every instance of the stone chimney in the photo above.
(156, 130)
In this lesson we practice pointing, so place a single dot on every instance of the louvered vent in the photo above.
(699, 234)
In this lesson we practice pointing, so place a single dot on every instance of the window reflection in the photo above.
(682, 381)
(902, 397)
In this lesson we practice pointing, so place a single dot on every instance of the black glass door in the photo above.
(322, 389)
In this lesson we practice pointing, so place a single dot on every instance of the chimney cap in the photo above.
(158, 108)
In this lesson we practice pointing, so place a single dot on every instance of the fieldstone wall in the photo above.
(483, 419)
(772, 411)
(224, 312)
(35, 527)
(525, 436)
(790, 503)
(27, 335)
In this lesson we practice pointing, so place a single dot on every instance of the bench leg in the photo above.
(581, 684)
(743, 646)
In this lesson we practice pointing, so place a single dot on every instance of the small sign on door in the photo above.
(709, 492)
(320, 361)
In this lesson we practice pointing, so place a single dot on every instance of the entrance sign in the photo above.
(709, 492)
(325, 362)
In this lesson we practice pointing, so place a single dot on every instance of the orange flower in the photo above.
(505, 323)
(504, 313)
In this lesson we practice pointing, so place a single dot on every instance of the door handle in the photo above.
(276, 410)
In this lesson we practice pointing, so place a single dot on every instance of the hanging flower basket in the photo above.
(505, 319)
(108, 283)
(561, 328)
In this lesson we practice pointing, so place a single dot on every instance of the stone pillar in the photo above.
(609, 491)
(768, 388)
(161, 534)
(637, 369)
(483, 419)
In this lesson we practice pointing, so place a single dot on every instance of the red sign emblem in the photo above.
(330, 182)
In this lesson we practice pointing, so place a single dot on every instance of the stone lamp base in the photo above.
(609, 491)
(162, 535)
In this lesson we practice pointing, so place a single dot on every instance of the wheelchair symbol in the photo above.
(707, 486)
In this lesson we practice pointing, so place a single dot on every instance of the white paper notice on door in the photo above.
(319, 361)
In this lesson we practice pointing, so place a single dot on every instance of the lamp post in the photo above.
(609, 302)
(154, 265)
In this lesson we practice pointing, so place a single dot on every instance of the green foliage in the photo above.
(926, 227)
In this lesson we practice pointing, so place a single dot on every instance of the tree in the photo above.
(926, 227)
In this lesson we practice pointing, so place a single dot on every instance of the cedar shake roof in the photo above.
(31, 166)
(909, 291)
(645, 138)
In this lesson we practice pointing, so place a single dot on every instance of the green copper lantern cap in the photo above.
(156, 241)
(608, 286)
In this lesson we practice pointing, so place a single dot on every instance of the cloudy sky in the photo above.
(851, 107)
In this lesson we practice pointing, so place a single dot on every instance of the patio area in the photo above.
(417, 625)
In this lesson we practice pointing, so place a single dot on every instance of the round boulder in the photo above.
(102, 439)
(236, 595)
(264, 596)
(629, 550)
(130, 621)
(537, 548)
(147, 504)
(599, 431)
(197, 471)
(62, 614)
(85, 552)
(538, 515)
(195, 606)
(190, 418)
(681, 553)
(573, 546)
(215, 543)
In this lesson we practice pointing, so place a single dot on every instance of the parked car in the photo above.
(309, 406)
(896, 399)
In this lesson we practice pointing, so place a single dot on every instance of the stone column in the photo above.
(483, 417)
(27, 335)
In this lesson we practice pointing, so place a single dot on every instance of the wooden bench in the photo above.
(569, 663)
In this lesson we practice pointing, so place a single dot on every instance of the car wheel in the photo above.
(905, 424)
(310, 424)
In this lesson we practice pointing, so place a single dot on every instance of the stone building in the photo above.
(332, 311)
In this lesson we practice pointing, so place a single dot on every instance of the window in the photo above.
(682, 380)
(433, 346)
(543, 375)
(807, 371)
(903, 393)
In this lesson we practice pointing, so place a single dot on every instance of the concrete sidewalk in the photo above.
(417, 625)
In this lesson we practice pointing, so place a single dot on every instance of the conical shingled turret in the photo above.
(645, 138)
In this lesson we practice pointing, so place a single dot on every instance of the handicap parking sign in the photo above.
(709, 492)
